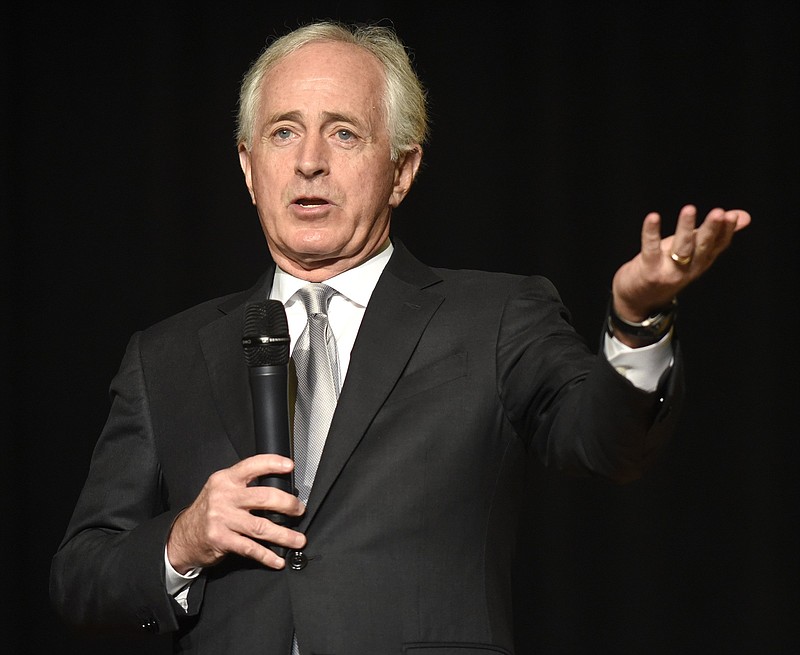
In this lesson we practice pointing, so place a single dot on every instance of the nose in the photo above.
(312, 157)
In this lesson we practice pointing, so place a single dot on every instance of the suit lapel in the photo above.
(398, 312)
(221, 343)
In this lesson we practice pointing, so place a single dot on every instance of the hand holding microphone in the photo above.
(221, 519)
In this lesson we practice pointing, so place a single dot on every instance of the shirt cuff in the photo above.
(644, 366)
(176, 581)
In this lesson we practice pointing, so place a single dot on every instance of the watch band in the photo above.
(653, 328)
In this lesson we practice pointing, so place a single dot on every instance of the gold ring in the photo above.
(681, 261)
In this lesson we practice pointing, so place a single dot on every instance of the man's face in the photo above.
(319, 170)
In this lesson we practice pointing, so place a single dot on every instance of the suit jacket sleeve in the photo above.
(109, 570)
(572, 407)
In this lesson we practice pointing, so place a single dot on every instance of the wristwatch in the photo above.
(653, 328)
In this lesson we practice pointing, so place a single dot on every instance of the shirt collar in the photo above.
(356, 284)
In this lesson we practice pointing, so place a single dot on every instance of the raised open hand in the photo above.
(665, 266)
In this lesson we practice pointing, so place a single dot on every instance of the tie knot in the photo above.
(315, 297)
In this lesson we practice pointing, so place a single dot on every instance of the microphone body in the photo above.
(266, 349)
(268, 389)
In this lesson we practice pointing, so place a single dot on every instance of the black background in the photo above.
(556, 128)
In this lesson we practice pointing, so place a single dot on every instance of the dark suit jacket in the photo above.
(454, 378)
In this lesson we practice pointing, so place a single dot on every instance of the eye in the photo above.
(283, 133)
(344, 135)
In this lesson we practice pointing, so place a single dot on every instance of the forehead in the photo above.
(324, 73)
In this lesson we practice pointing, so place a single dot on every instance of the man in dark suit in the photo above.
(448, 379)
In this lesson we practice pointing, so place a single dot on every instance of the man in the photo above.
(404, 540)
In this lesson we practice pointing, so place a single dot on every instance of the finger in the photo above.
(651, 239)
(257, 535)
(683, 243)
(272, 499)
(742, 218)
(250, 468)
(247, 547)
(263, 529)
(729, 223)
(256, 527)
(716, 232)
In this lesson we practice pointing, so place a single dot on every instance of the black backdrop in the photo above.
(556, 127)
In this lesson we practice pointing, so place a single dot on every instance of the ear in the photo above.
(244, 162)
(404, 173)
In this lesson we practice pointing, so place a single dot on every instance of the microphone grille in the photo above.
(266, 334)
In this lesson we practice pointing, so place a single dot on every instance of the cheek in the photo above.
(266, 171)
(374, 193)
(269, 191)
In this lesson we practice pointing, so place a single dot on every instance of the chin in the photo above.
(315, 250)
(318, 243)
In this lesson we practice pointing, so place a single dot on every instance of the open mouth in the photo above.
(311, 202)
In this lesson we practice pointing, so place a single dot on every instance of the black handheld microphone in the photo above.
(266, 351)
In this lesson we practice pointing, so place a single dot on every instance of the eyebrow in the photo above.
(327, 117)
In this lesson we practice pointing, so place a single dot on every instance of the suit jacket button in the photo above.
(298, 560)
(150, 625)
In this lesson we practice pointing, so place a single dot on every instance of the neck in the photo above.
(321, 270)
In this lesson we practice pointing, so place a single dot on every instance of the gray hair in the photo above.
(404, 99)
